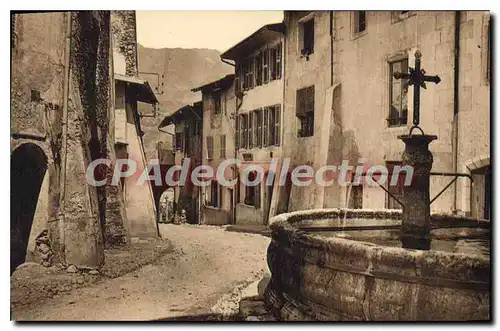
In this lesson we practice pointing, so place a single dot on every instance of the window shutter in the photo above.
(310, 99)
(266, 66)
(278, 59)
(250, 129)
(259, 128)
(277, 120)
(244, 131)
(264, 126)
(237, 82)
(301, 102)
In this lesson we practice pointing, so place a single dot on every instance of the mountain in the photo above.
(179, 70)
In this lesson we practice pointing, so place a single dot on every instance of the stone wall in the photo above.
(77, 219)
(123, 26)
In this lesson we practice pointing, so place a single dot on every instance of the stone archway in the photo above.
(166, 206)
(28, 168)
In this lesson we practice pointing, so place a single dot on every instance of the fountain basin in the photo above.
(345, 265)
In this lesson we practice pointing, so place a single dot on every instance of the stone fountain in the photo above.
(382, 265)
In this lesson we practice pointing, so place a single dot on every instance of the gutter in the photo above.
(456, 68)
(227, 62)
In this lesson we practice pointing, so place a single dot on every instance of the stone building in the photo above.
(62, 111)
(188, 121)
(258, 61)
(219, 105)
(341, 64)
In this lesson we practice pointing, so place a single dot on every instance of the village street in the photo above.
(204, 270)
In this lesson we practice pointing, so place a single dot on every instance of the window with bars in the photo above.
(210, 148)
(305, 111)
(222, 146)
(398, 94)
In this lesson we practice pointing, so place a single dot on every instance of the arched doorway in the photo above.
(481, 192)
(166, 206)
(28, 166)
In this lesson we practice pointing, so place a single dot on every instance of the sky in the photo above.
(218, 30)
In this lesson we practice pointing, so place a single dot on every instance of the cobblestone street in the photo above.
(203, 271)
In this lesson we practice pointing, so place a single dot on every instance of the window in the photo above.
(210, 148)
(258, 66)
(359, 21)
(238, 79)
(276, 62)
(252, 193)
(197, 124)
(356, 197)
(397, 190)
(265, 66)
(243, 130)
(398, 94)
(179, 141)
(307, 35)
(248, 72)
(305, 111)
(217, 102)
(258, 127)
(222, 146)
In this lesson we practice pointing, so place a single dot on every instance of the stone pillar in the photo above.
(415, 227)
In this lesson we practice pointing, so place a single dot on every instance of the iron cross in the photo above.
(417, 78)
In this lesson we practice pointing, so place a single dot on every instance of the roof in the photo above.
(195, 110)
(222, 83)
(262, 36)
(144, 91)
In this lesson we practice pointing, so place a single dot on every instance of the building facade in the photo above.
(218, 132)
(259, 67)
(342, 63)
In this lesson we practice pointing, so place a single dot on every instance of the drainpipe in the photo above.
(456, 106)
(64, 139)
(331, 48)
